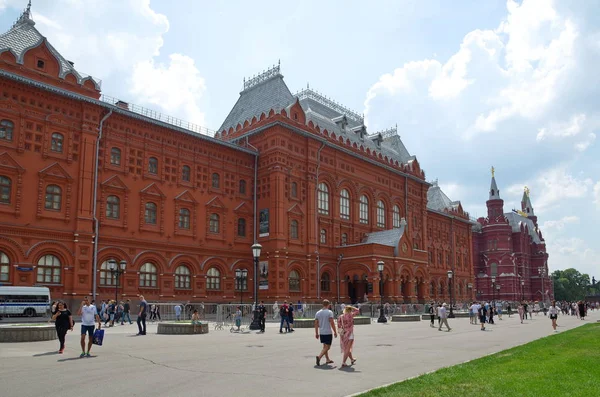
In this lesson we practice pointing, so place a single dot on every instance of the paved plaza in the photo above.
(227, 364)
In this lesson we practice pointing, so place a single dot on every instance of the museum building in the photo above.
(86, 179)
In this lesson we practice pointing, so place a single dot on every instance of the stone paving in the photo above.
(221, 363)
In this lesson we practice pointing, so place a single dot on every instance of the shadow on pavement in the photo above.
(349, 369)
(75, 358)
(45, 354)
(325, 367)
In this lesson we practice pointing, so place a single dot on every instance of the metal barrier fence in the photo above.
(227, 316)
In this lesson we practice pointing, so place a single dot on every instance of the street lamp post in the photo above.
(381, 318)
(522, 290)
(450, 274)
(256, 248)
(542, 272)
(116, 270)
(498, 289)
(241, 275)
(493, 290)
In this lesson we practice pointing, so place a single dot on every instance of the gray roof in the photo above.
(437, 199)
(23, 36)
(390, 238)
(271, 93)
(515, 220)
(494, 191)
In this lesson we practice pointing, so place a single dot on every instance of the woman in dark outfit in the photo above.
(63, 323)
(581, 307)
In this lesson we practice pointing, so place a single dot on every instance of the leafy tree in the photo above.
(570, 285)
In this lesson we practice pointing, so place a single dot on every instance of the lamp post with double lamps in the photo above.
(542, 272)
(522, 290)
(116, 270)
(493, 290)
(381, 318)
(256, 248)
(450, 274)
(241, 275)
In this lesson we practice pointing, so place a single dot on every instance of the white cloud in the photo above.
(579, 127)
(559, 224)
(551, 187)
(175, 87)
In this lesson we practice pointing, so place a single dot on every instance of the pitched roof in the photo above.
(261, 97)
(437, 199)
(23, 36)
(494, 191)
(515, 220)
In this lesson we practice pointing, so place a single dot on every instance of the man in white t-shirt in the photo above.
(324, 326)
(443, 313)
(89, 317)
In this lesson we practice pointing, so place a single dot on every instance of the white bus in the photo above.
(24, 301)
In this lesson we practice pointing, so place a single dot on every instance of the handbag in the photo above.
(98, 337)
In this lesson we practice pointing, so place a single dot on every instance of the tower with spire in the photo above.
(526, 206)
(495, 205)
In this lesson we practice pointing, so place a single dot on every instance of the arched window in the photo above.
(148, 275)
(182, 277)
(153, 165)
(381, 214)
(396, 216)
(5, 190)
(6, 129)
(216, 180)
(294, 229)
(213, 279)
(53, 197)
(150, 214)
(213, 225)
(115, 156)
(242, 187)
(106, 277)
(184, 218)
(48, 269)
(113, 207)
(56, 142)
(344, 204)
(344, 238)
(4, 267)
(294, 190)
(323, 199)
(323, 237)
(241, 227)
(494, 268)
(364, 209)
(186, 173)
(325, 282)
(294, 281)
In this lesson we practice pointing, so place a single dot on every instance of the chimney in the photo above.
(122, 105)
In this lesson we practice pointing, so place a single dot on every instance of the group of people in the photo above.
(111, 311)
(326, 330)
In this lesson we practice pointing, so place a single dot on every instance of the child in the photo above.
(196, 320)
(238, 318)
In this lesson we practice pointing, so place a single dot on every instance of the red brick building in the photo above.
(510, 248)
(85, 178)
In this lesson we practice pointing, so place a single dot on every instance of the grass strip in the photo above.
(563, 364)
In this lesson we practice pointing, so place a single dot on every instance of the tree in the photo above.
(570, 285)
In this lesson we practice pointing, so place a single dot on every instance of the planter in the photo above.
(27, 333)
(182, 328)
(405, 317)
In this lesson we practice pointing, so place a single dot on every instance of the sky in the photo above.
(469, 84)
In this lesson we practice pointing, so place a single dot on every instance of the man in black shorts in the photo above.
(324, 326)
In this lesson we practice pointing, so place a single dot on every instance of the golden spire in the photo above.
(526, 191)
(493, 171)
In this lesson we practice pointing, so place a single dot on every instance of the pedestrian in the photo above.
(432, 314)
(437, 313)
(499, 310)
(89, 317)
(126, 310)
(178, 313)
(472, 313)
(509, 310)
(481, 312)
(152, 313)
(444, 318)
(581, 307)
(262, 316)
(525, 309)
(290, 317)
(300, 309)
(141, 320)
(275, 310)
(346, 327)
(521, 310)
(283, 313)
(157, 313)
(195, 320)
(553, 314)
(238, 318)
(63, 321)
(491, 314)
(324, 327)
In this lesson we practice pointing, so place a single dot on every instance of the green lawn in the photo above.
(563, 364)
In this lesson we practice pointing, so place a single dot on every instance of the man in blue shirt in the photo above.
(177, 312)
(141, 320)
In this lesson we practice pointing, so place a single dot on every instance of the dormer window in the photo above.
(41, 64)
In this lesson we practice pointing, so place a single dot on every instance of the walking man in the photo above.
(324, 326)
(177, 312)
(141, 320)
(126, 310)
(444, 318)
(262, 316)
(553, 314)
(89, 317)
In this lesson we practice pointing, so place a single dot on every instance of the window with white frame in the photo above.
(381, 214)
(364, 209)
(396, 216)
(344, 204)
(323, 199)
